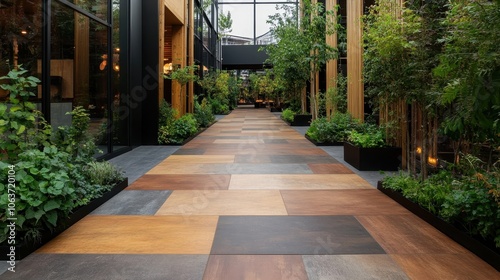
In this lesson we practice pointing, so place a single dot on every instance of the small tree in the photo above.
(183, 75)
(302, 49)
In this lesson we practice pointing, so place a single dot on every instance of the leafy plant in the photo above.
(167, 114)
(336, 129)
(180, 130)
(203, 113)
(21, 126)
(103, 173)
(288, 115)
(75, 139)
(371, 137)
(44, 192)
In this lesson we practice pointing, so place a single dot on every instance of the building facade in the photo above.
(108, 56)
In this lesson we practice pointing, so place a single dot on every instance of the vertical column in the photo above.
(190, 46)
(355, 91)
(179, 60)
(331, 66)
(161, 48)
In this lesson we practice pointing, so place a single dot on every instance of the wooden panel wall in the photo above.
(190, 17)
(355, 91)
(331, 66)
(161, 49)
(177, 8)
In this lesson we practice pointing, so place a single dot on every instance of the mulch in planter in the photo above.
(483, 249)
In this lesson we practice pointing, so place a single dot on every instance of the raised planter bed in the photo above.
(487, 252)
(372, 159)
(190, 137)
(300, 120)
(323, 143)
(23, 250)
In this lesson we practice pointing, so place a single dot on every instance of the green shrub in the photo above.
(336, 129)
(370, 136)
(203, 113)
(219, 107)
(167, 114)
(103, 173)
(288, 115)
(180, 130)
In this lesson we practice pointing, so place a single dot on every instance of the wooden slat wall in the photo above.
(331, 66)
(161, 49)
(190, 16)
(355, 91)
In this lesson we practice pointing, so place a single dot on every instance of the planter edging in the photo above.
(372, 159)
(23, 250)
(323, 143)
(475, 246)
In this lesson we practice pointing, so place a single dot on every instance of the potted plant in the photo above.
(333, 131)
(366, 150)
(295, 119)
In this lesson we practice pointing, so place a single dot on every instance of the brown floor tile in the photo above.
(445, 266)
(340, 202)
(298, 182)
(136, 235)
(181, 182)
(332, 168)
(251, 267)
(408, 234)
(232, 202)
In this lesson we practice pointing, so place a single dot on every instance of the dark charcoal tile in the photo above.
(109, 267)
(352, 267)
(185, 151)
(292, 235)
(133, 203)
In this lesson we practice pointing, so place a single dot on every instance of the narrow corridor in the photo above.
(251, 198)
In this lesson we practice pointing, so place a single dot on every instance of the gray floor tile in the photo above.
(350, 267)
(133, 202)
(109, 267)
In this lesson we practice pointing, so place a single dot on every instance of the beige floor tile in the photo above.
(174, 159)
(298, 181)
(224, 202)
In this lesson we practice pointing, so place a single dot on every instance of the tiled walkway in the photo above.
(250, 198)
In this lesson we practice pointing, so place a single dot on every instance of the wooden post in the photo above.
(355, 90)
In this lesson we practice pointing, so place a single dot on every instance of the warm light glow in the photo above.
(117, 68)
(419, 150)
(432, 161)
(167, 68)
(24, 32)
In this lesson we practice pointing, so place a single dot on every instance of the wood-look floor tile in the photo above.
(263, 151)
(238, 141)
(251, 267)
(181, 182)
(340, 202)
(236, 168)
(334, 168)
(445, 266)
(136, 235)
(298, 182)
(223, 202)
(408, 234)
(175, 159)
(350, 267)
(292, 235)
(189, 151)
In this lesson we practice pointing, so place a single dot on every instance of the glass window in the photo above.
(243, 24)
(20, 38)
(79, 66)
(99, 8)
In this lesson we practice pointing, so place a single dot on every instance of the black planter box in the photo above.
(323, 143)
(23, 250)
(300, 120)
(372, 159)
(488, 253)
